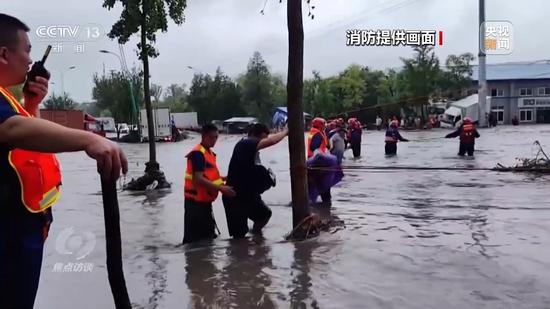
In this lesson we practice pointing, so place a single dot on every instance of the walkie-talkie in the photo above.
(37, 69)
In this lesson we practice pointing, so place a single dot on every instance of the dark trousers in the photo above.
(466, 148)
(326, 196)
(22, 236)
(198, 221)
(356, 149)
(391, 148)
(241, 208)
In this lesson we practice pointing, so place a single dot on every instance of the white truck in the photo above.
(161, 124)
(457, 111)
(185, 120)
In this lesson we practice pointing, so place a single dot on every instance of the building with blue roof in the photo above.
(520, 89)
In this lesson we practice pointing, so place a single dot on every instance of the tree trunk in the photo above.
(295, 84)
(147, 95)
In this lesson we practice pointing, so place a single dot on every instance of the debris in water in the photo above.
(152, 186)
(312, 225)
(539, 164)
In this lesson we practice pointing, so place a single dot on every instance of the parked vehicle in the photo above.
(457, 111)
(185, 120)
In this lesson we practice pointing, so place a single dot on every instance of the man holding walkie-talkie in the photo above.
(30, 177)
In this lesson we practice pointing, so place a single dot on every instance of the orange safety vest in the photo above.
(323, 146)
(211, 172)
(38, 173)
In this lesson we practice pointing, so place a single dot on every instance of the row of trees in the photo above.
(358, 90)
(363, 92)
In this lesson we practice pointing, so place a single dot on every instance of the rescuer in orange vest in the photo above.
(202, 184)
(317, 139)
(468, 134)
(30, 177)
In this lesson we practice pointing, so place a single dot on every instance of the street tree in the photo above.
(146, 17)
(60, 102)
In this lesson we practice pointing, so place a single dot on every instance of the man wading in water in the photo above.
(250, 180)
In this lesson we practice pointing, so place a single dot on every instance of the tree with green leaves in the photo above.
(60, 102)
(350, 87)
(175, 98)
(392, 93)
(311, 90)
(226, 97)
(456, 77)
(215, 98)
(256, 85)
(146, 17)
(278, 91)
(113, 93)
(421, 73)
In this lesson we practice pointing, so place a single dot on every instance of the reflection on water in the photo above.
(301, 295)
(243, 276)
(413, 239)
(202, 277)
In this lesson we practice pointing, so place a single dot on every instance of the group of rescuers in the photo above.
(247, 179)
(30, 176)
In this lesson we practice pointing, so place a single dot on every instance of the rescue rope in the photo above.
(115, 269)
(419, 168)
(498, 168)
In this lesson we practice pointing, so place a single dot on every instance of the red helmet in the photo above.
(467, 120)
(394, 124)
(318, 123)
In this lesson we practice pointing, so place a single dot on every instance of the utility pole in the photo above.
(482, 78)
(295, 86)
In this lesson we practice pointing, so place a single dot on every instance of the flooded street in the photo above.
(413, 239)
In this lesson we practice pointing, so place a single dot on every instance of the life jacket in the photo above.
(323, 146)
(211, 172)
(467, 134)
(38, 173)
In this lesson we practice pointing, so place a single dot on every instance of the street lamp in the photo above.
(194, 69)
(63, 78)
(117, 55)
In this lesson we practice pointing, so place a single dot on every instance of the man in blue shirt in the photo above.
(250, 180)
(22, 233)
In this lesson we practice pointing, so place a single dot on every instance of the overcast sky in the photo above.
(225, 33)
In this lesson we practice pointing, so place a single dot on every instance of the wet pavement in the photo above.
(413, 239)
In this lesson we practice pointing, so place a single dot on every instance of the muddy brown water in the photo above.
(413, 239)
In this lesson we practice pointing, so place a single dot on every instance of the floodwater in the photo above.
(413, 239)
